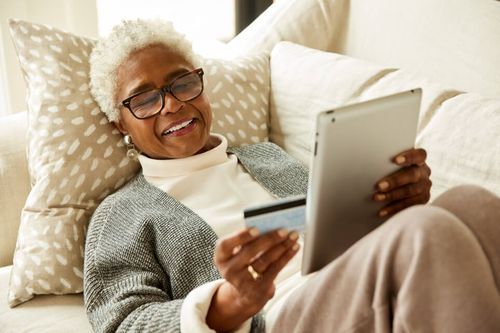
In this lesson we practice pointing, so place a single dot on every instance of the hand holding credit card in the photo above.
(288, 213)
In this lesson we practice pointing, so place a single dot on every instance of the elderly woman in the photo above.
(169, 252)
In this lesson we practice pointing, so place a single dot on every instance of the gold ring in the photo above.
(255, 275)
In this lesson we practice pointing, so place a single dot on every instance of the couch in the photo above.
(447, 48)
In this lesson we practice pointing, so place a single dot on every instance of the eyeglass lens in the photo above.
(184, 88)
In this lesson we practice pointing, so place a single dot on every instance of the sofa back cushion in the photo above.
(463, 142)
(322, 80)
(423, 36)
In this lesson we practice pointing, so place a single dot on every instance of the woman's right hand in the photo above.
(243, 295)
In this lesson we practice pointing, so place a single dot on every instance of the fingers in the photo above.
(262, 263)
(406, 191)
(404, 176)
(414, 156)
(254, 248)
(276, 266)
(233, 264)
(397, 206)
(261, 252)
(226, 246)
(407, 186)
(267, 254)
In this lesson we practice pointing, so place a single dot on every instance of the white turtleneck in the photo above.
(212, 184)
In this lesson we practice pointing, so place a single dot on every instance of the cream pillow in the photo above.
(463, 143)
(459, 131)
(322, 80)
(76, 157)
(306, 81)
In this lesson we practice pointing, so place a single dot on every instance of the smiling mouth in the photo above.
(178, 127)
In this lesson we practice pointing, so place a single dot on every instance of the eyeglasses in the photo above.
(183, 88)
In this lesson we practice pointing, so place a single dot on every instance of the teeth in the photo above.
(178, 127)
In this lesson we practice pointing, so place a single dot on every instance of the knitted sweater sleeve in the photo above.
(125, 288)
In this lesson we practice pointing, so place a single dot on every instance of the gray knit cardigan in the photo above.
(146, 251)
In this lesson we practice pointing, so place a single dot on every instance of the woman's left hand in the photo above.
(408, 186)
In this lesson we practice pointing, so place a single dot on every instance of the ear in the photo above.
(119, 125)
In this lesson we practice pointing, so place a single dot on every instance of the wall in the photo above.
(208, 23)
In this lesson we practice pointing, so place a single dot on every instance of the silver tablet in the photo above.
(353, 150)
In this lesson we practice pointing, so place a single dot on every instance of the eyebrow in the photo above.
(147, 86)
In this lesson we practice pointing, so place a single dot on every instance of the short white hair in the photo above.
(125, 38)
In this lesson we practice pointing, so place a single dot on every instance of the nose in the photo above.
(171, 105)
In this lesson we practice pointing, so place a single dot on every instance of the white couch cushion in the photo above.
(45, 314)
(305, 81)
(463, 143)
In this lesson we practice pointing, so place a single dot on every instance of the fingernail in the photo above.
(379, 197)
(294, 235)
(382, 213)
(253, 232)
(236, 249)
(383, 185)
(282, 233)
(400, 159)
(295, 247)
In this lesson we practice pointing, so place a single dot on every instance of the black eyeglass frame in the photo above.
(166, 89)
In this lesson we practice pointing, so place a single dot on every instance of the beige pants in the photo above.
(433, 268)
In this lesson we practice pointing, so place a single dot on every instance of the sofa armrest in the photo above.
(14, 180)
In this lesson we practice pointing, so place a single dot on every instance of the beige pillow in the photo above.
(239, 96)
(76, 157)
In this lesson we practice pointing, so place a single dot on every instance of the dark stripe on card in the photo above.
(273, 207)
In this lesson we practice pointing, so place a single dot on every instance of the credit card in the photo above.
(288, 213)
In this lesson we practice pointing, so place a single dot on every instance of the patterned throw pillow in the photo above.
(76, 157)
(238, 90)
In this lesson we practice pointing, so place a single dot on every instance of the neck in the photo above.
(212, 142)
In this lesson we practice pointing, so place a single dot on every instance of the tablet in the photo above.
(353, 150)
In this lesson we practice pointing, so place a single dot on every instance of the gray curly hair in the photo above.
(125, 38)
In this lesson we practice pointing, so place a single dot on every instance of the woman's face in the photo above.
(151, 68)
